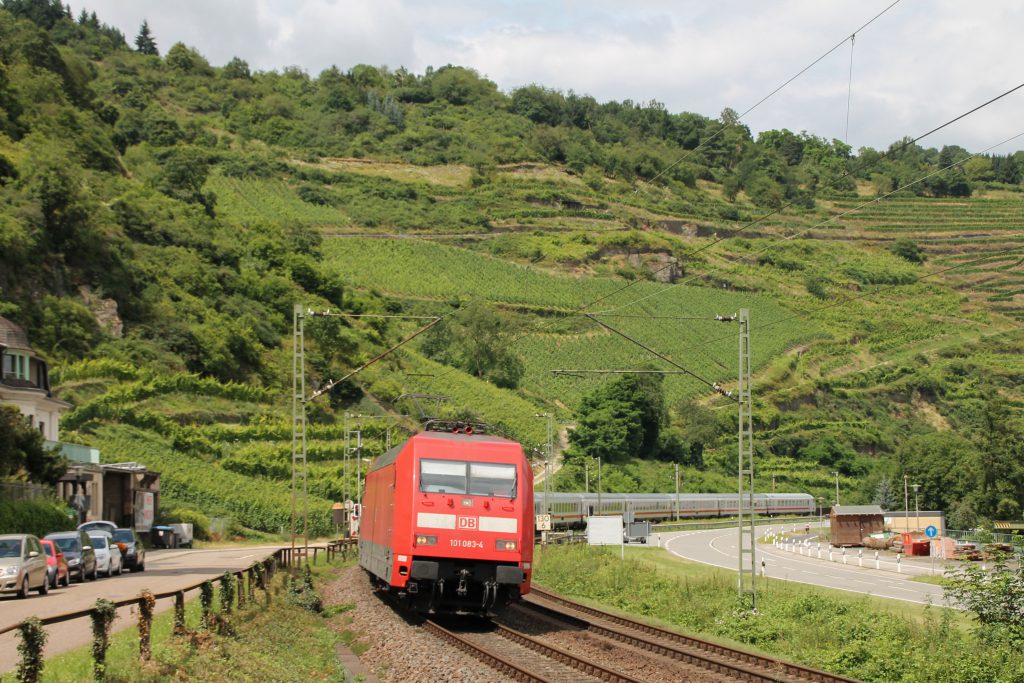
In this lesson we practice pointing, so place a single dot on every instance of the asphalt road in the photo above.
(718, 547)
(166, 570)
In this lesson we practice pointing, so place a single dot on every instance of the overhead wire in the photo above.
(593, 316)
(845, 174)
(773, 92)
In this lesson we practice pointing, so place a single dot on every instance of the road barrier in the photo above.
(835, 555)
(237, 586)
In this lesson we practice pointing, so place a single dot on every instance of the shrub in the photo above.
(36, 517)
(200, 522)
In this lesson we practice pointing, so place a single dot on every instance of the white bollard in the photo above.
(877, 564)
(830, 556)
(899, 569)
(844, 555)
(860, 557)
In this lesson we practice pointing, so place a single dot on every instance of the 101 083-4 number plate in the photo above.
(460, 543)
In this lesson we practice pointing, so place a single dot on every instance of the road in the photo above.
(718, 547)
(166, 570)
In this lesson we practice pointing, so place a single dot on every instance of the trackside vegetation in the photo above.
(871, 640)
(277, 637)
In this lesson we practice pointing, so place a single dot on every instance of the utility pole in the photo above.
(348, 449)
(359, 460)
(299, 401)
(677, 492)
(917, 508)
(745, 472)
(547, 456)
(586, 475)
(599, 484)
(299, 428)
(837, 487)
(906, 505)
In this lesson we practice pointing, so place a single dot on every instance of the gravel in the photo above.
(398, 650)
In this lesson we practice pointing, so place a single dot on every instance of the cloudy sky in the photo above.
(921, 64)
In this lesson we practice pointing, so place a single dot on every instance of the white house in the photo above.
(26, 382)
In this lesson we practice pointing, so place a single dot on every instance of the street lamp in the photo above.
(917, 509)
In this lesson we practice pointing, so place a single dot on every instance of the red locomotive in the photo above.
(447, 522)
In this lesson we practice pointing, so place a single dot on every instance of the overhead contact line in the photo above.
(888, 153)
(773, 92)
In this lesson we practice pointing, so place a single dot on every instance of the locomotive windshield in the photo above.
(472, 478)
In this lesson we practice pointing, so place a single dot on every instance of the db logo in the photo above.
(467, 522)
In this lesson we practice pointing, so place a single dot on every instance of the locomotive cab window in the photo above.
(473, 478)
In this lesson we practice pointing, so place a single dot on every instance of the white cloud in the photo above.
(914, 68)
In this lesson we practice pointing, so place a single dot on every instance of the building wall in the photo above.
(38, 409)
(851, 529)
(898, 523)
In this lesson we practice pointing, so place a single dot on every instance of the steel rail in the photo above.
(745, 665)
(517, 672)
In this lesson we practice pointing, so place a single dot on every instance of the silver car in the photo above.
(22, 565)
(108, 555)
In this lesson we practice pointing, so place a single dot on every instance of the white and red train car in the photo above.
(570, 510)
(447, 522)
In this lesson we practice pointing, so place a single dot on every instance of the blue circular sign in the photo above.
(931, 532)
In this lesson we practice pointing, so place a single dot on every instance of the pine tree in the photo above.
(144, 42)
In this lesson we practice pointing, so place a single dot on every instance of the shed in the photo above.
(851, 523)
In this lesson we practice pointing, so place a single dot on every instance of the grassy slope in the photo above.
(862, 637)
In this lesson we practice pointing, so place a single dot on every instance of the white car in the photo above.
(108, 555)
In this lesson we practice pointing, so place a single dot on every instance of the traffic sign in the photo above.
(931, 532)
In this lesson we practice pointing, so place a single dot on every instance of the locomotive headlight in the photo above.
(423, 539)
(506, 545)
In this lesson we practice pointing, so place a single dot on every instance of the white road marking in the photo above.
(819, 584)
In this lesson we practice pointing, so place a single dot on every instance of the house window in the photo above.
(15, 366)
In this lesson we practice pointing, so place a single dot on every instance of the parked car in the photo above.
(133, 550)
(22, 565)
(56, 564)
(108, 555)
(97, 525)
(77, 548)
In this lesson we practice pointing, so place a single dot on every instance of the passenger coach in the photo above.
(447, 523)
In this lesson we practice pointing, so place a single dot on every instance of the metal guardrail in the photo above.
(178, 594)
(248, 581)
(728, 523)
(974, 537)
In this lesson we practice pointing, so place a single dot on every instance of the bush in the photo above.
(36, 517)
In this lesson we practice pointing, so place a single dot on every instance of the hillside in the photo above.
(160, 216)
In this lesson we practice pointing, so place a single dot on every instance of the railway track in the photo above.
(720, 660)
(514, 654)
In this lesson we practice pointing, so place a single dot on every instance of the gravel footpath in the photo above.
(398, 650)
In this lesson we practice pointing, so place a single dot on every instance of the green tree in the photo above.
(622, 419)
(943, 463)
(907, 249)
(995, 596)
(23, 456)
(144, 41)
(475, 340)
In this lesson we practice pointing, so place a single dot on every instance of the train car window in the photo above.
(443, 476)
(474, 478)
(491, 479)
